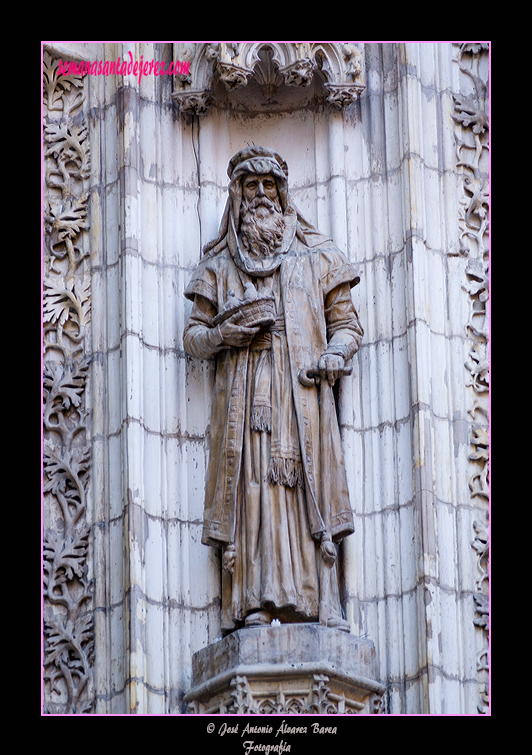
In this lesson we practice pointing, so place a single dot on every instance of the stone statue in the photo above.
(271, 301)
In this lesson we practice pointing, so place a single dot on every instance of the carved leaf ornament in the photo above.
(67, 607)
(472, 140)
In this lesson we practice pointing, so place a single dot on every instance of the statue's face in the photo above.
(259, 184)
(261, 220)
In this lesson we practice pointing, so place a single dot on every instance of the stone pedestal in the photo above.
(133, 189)
(291, 668)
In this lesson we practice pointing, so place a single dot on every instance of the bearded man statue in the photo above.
(272, 303)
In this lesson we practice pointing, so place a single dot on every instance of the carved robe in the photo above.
(266, 490)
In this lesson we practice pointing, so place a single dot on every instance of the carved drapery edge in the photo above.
(293, 63)
(68, 643)
(471, 115)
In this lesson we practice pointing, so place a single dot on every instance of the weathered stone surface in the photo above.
(399, 179)
(235, 65)
(271, 503)
(291, 668)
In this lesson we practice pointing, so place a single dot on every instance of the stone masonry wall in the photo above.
(392, 178)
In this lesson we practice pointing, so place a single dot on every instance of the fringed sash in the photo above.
(272, 407)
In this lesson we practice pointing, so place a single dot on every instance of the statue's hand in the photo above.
(332, 366)
(328, 550)
(234, 334)
(229, 558)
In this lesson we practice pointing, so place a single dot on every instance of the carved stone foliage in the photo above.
(271, 64)
(471, 114)
(67, 606)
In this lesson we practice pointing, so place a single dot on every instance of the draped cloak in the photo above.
(313, 279)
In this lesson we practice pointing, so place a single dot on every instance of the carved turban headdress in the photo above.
(260, 160)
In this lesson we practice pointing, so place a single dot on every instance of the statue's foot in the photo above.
(338, 623)
(258, 618)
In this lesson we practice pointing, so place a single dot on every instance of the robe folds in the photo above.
(317, 316)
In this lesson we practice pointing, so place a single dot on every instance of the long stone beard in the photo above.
(262, 227)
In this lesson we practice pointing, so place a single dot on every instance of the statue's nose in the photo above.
(260, 190)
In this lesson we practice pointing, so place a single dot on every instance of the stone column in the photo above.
(399, 179)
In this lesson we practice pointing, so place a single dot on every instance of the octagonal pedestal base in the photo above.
(291, 668)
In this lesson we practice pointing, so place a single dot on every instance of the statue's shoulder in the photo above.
(333, 267)
(325, 253)
(326, 262)
(210, 270)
